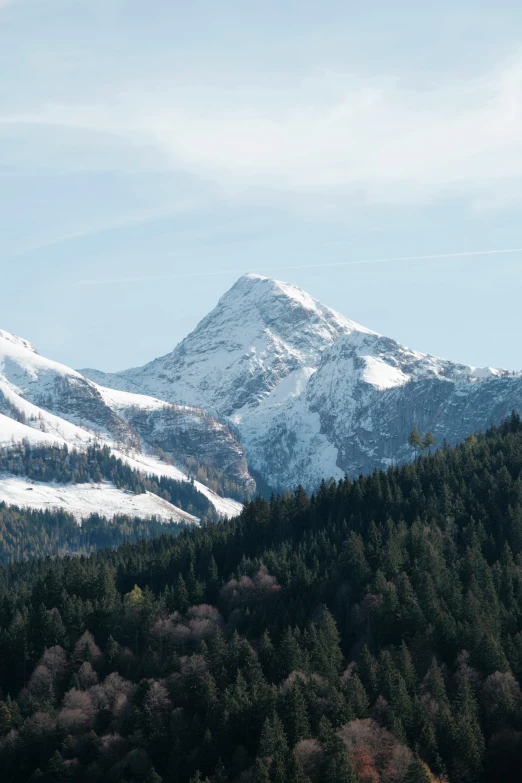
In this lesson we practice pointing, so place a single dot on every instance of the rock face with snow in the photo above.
(261, 333)
(42, 401)
(312, 394)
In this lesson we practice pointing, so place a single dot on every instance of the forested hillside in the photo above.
(370, 633)
(26, 534)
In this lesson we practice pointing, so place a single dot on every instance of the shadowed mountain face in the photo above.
(312, 394)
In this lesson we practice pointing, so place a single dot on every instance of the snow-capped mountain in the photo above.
(313, 394)
(261, 333)
(44, 402)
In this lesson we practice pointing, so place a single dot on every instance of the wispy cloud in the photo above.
(138, 218)
(285, 268)
(387, 140)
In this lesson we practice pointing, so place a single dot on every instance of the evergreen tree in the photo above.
(261, 771)
(294, 712)
(57, 768)
(428, 441)
(417, 772)
(181, 595)
(153, 777)
(295, 772)
(415, 440)
(335, 765)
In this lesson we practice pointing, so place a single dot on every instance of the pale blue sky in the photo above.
(152, 152)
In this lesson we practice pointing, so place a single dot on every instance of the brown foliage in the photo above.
(378, 756)
(238, 593)
(87, 676)
(78, 712)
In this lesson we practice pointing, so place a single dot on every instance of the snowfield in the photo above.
(82, 500)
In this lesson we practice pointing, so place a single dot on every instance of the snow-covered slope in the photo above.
(359, 407)
(313, 394)
(82, 500)
(43, 402)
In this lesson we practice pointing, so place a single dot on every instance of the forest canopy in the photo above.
(371, 632)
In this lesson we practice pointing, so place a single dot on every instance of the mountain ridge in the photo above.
(286, 329)
(313, 394)
(45, 402)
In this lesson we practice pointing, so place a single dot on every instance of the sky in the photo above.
(153, 152)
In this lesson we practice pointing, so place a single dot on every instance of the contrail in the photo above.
(216, 272)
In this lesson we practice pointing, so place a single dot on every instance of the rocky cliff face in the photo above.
(187, 435)
(359, 407)
(312, 394)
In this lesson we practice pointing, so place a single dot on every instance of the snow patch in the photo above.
(381, 374)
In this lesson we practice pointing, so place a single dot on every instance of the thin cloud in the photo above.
(140, 218)
(218, 272)
(382, 139)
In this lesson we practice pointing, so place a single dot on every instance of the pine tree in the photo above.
(153, 777)
(428, 441)
(368, 672)
(112, 651)
(6, 720)
(261, 771)
(417, 772)
(278, 768)
(357, 699)
(406, 667)
(415, 440)
(220, 775)
(294, 711)
(335, 765)
(290, 656)
(294, 770)
(468, 741)
(181, 595)
(57, 768)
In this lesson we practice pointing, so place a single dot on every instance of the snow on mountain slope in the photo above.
(12, 431)
(360, 405)
(182, 432)
(82, 500)
(54, 387)
(260, 332)
(153, 466)
(42, 402)
(312, 394)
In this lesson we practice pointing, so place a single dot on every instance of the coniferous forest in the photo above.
(26, 534)
(370, 633)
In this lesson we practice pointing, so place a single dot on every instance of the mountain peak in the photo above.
(252, 276)
(313, 394)
(276, 302)
(260, 332)
(18, 341)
